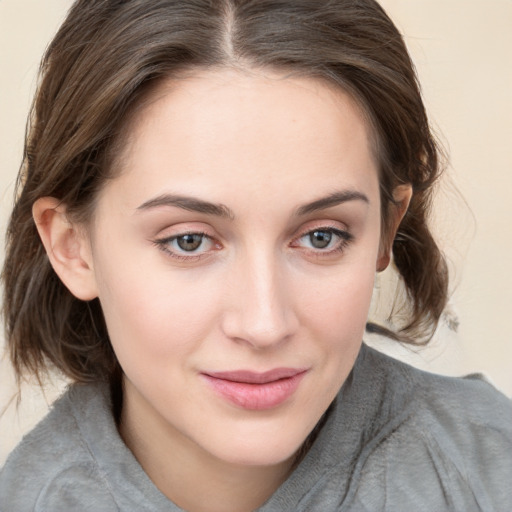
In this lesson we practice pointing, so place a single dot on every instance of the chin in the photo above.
(261, 458)
(264, 448)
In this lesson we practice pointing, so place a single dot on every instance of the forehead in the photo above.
(246, 131)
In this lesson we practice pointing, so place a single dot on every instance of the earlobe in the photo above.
(401, 198)
(67, 247)
(383, 260)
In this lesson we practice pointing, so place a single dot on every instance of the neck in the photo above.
(189, 476)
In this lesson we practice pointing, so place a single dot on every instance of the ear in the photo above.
(67, 246)
(402, 197)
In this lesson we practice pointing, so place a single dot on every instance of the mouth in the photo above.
(253, 390)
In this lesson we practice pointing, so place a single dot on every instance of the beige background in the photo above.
(463, 52)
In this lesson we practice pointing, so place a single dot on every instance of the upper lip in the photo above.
(250, 377)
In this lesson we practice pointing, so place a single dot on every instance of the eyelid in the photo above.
(345, 239)
(325, 225)
(163, 243)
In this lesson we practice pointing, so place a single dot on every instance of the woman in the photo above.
(208, 190)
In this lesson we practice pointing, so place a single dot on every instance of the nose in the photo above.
(259, 311)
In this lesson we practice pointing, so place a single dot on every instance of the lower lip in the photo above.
(256, 397)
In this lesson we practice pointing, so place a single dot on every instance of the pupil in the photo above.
(320, 239)
(189, 242)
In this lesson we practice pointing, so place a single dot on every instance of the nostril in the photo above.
(261, 327)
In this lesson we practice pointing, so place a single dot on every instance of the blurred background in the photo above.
(463, 53)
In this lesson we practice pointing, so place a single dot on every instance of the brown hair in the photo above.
(98, 66)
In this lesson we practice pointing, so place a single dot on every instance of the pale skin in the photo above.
(276, 270)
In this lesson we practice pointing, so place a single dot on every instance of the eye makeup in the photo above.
(188, 246)
(323, 241)
(192, 245)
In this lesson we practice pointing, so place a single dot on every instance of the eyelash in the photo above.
(345, 238)
(164, 243)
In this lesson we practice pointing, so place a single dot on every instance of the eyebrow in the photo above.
(188, 203)
(194, 204)
(331, 200)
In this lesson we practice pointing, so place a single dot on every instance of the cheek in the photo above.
(335, 312)
(338, 305)
(152, 315)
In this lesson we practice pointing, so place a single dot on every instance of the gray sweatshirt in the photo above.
(396, 439)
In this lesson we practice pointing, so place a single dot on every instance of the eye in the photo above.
(325, 240)
(187, 245)
(320, 239)
(189, 242)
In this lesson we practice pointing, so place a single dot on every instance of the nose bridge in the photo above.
(261, 313)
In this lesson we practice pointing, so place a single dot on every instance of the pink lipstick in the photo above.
(256, 391)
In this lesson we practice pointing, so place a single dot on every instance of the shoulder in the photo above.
(453, 406)
(454, 439)
(54, 462)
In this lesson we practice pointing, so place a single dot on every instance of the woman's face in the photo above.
(234, 258)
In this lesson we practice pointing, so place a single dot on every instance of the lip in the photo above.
(253, 390)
